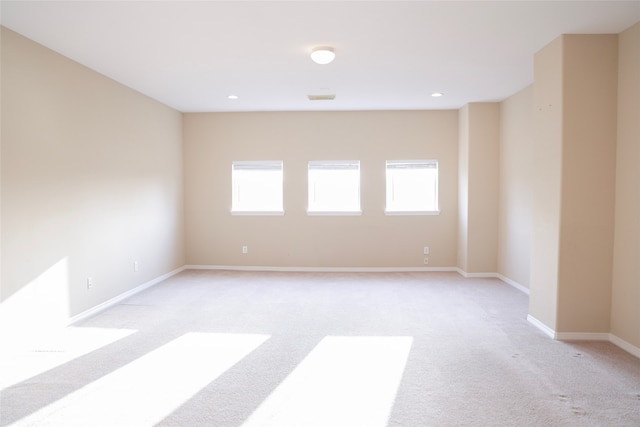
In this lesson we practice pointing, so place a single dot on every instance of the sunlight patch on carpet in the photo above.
(344, 381)
(53, 348)
(145, 391)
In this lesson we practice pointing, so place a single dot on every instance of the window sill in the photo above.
(412, 212)
(258, 213)
(334, 213)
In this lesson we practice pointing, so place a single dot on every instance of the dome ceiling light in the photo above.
(322, 55)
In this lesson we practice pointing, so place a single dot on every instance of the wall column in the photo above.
(479, 133)
(573, 201)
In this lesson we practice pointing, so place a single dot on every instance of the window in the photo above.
(257, 187)
(412, 187)
(334, 187)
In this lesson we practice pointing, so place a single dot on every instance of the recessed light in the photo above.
(233, 97)
(437, 94)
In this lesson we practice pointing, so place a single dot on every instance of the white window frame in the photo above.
(314, 206)
(238, 207)
(398, 207)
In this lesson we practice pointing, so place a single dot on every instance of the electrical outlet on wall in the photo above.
(89, 282)
(426, 260)
(245, 249)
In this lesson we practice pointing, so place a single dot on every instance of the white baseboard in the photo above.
(505, 279)
(476, 275)
(115, 300)
(626, 346)
(357, 270)
(544, 328)
(582, 336)
(586, 336)
(318, 269)
(513, 283)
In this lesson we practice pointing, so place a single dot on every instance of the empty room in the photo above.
(320, 213)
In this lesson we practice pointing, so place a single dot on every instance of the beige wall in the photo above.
(625, 308)
(478, 187)
(546, 195)
(91, 181)
(214, 237)
(484, 138)
(463, 189)
(590, 67)
(516, 182)
(575, 99)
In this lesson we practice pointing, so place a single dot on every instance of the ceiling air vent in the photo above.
(321, 97)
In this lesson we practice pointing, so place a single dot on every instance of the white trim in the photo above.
(115, 300)
(258, 213)
(333, 164)
(544, 328)
(318, 269)
(481, 275)
(505, 279)
(476, 275)
(334, 213)
(461, 272)
(586, 336)
(582, 336)
(400, 212)
(411, 164)
(513, 283)
(625, 345)
(257, 165)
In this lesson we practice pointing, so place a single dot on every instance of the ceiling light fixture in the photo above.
(437, 94)
(233, 97)
(322, 55)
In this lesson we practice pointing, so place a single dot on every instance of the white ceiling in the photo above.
(390, 54)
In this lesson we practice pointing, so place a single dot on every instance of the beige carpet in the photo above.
(220, 348)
